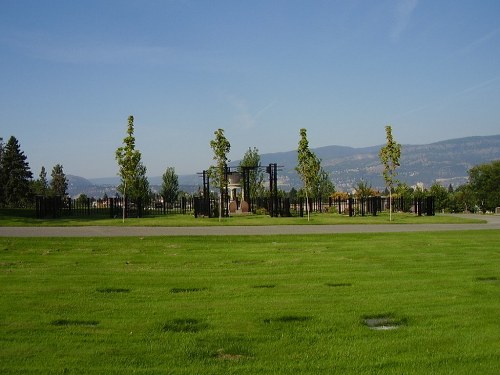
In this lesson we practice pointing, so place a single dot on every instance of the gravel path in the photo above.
(105, 231)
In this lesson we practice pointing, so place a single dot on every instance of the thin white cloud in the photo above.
(466, 91)
(403, 12)
(57, 49)
(244, 117)
(260, 112)
(478, 42)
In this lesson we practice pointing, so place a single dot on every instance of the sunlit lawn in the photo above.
(252, 305)
(27, 218)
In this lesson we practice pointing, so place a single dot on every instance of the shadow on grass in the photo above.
(81, 323)
(187, 290)
(187, 325)
(113, 290)
(288, 319)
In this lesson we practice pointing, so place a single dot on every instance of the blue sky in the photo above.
(71, 72)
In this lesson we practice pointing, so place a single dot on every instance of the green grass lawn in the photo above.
(27, 218)
(252, 305)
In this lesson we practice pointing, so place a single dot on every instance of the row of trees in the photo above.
(17, 187)
(481, 194)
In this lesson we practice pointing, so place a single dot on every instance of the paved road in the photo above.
(104, 231)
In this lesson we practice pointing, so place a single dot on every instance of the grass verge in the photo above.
(251, 305)
(27, 218)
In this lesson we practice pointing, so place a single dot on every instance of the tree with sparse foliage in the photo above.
(308, 167)
(170, 186)
(389, 156)
(221, 147)
(59, 182)
(365, 190)
(134, 183)
(15, 175)
(41, 186)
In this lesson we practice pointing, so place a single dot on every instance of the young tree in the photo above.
(170, 186)
(308, 167)
(59, 182)
(389, 156)
(41, 186)
(251, 160)
(325, 186)
(221, 147)
(364, 190)
(15, 175)
(134, 183)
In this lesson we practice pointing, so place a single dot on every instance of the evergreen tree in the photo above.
(59, 182)
(15, 175)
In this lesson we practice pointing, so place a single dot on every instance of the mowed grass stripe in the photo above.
(265, 304)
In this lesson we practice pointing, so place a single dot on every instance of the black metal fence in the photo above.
(286, 207)
(53, 207)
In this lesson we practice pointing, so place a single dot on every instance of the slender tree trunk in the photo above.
(124, 200)
(307, 206)
(220, 207)
(390, 206)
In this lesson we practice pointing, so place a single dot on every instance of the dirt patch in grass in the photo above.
(225, 356)
(221, 348)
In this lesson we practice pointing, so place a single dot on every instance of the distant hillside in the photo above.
(446, 162)
(79, 185)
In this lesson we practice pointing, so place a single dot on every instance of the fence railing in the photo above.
(47, 207)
